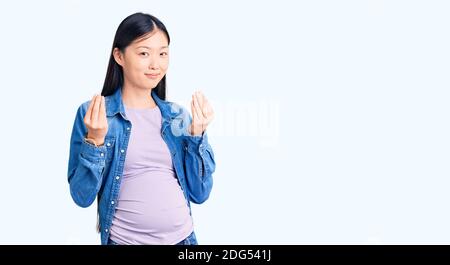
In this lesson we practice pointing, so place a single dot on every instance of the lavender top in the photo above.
(151, 208)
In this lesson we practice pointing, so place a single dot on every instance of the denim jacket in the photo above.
(96, 172)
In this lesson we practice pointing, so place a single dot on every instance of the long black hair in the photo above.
(131, 28)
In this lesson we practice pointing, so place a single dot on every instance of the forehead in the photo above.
(155, 39)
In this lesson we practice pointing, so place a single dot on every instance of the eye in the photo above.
(163, 54)
(144, 53)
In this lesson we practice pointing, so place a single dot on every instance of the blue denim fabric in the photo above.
(96, 172)
(190, 240)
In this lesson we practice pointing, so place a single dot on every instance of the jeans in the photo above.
(189, 240)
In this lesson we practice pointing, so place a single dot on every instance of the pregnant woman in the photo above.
(143, 158)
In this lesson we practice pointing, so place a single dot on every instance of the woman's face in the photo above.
(145, 61)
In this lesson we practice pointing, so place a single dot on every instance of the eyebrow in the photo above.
(162, 47)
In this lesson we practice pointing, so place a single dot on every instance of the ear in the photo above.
(118, 56)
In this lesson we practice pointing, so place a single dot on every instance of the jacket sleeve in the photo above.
(200, 165)
(86, 163)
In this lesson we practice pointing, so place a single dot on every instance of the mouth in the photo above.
(152, 76)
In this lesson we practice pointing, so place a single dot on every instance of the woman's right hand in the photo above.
(95, 120)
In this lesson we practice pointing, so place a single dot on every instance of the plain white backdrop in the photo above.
(331, 116)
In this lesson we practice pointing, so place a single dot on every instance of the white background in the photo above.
(331, 116)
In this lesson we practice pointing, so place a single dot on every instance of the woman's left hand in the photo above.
(202, 113)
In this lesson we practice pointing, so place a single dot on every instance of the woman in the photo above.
(144, 158)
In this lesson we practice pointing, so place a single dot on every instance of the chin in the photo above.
(153, 84)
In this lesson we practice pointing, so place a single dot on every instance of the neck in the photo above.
(137, 98)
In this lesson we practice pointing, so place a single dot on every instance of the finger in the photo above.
(209, 109)
(102, 108)
(205, 103)
(202, 101)
(192, 109)
(197, 107)
(195, 114)
(200, 98)
(95, 109)
(198, 110)
(87, 117)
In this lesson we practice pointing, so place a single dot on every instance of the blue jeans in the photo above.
(189, 240)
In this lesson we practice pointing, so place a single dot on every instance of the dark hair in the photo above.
(131, 28)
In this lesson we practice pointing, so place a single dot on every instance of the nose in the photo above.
(153, 64)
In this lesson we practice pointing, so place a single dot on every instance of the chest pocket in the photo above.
(109, 143)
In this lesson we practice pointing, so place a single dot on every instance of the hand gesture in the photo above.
(202, 113)
(95, 120)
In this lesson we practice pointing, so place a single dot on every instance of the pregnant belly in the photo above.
(152, 202)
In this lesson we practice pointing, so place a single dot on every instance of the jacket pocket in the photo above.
(109, 143)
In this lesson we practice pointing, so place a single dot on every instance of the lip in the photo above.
(152, 76)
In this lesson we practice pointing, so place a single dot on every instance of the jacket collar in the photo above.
(114, 105)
